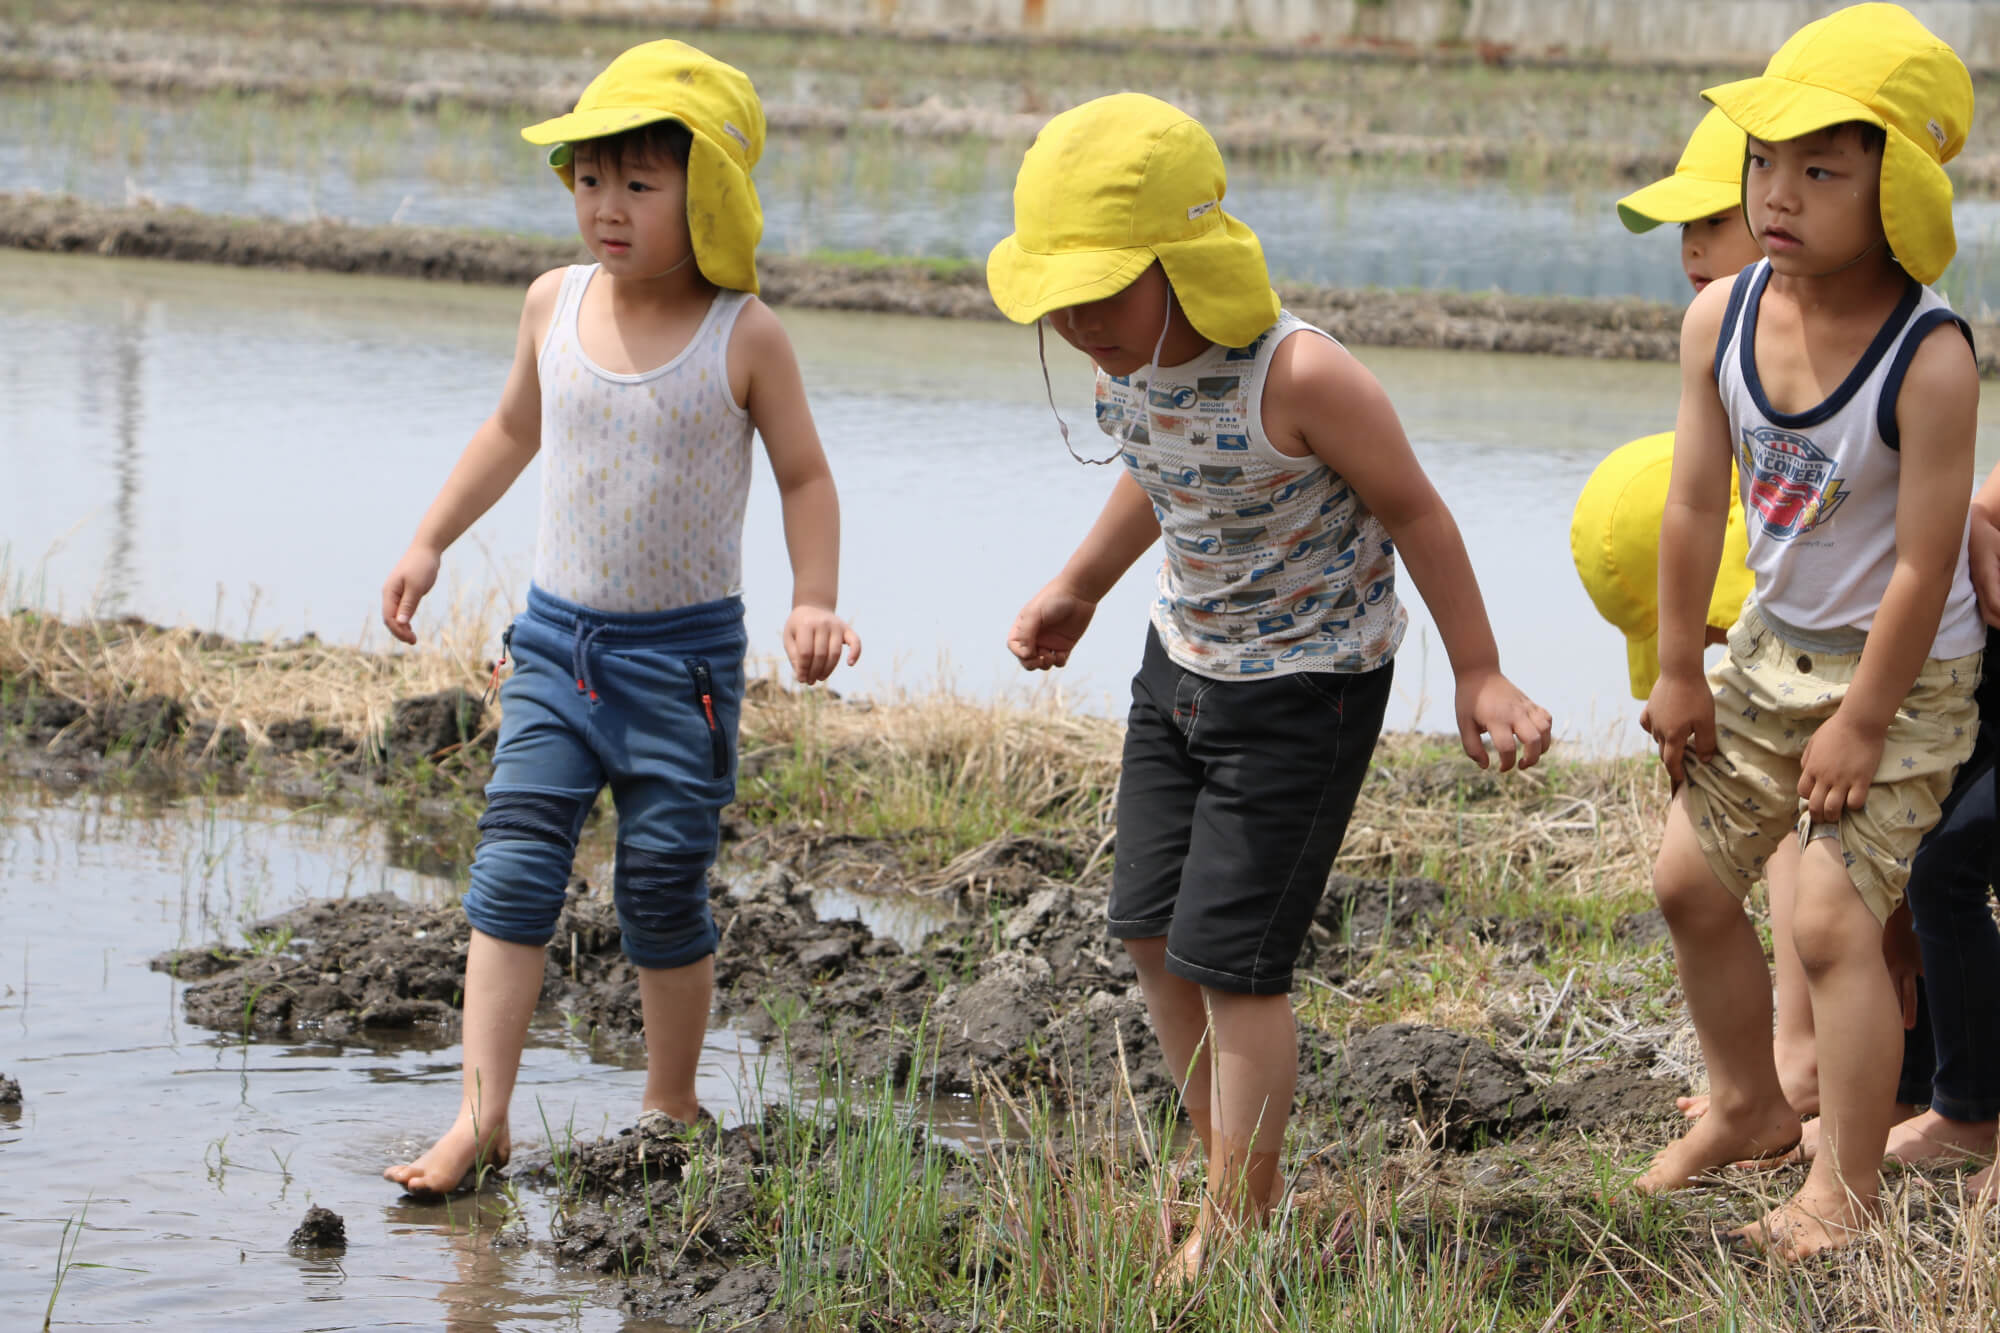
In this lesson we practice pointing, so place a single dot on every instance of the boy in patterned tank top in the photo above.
(639, 379)
(1279, 477)
(1847, 394)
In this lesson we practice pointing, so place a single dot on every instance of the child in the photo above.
(641, 377)
(1848, 393)
(1275, 467)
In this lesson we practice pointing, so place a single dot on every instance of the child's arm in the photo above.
(1049, 626)
(1318, 397)
(1681, 711)
(1984, 541)
(1937, 415)
(500, 450)
(774, 394)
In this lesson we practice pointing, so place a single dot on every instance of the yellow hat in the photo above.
(669, 80)
(1614, 537)
(1707, 180)
(1876, 64)
(1107, 188)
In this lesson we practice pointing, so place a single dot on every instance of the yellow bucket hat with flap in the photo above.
(669, 80)
(1877, 64)
(1107, 188)
(1614, 538)
(1707, 180)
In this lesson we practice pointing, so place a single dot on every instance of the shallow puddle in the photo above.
(187, 1158)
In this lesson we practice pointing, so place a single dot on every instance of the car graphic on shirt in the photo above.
(1789, 482)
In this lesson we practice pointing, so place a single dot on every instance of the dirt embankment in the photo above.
(1627, 330)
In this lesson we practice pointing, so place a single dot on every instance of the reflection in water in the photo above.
(114, 592)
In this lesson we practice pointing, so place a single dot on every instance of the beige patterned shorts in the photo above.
(1770, 697)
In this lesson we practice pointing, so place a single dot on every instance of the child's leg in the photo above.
(668, 997)
(1721, 965)
(1950, 895)
(1839, 940)
(1256, 1072)
(545, 780)
(1180, 1021)
(1792, 1047)
(502, 983)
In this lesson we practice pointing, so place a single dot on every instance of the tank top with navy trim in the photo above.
(1272, 565)
(644, 476)
(1819, 486)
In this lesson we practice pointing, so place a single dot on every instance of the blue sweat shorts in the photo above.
(647, 703)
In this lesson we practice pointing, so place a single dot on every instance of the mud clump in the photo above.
(322, 1229)
(1622, 1092)
(431, 725)
(1454, 1085)
(10, 1091)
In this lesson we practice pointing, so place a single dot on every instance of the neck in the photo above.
(1870, 277)
(675, 287)
(1182, 343)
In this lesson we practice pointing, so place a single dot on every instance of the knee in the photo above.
(662, 901)
(1827, 934)
(1689, 896)
(1148, 955)
(527, 841)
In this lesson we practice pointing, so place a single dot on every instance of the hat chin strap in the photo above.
(678, 265)
(1124, 431)
(1842, 268)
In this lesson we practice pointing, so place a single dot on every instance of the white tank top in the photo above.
(1819, 486)
(1273, 564)
(644, 476)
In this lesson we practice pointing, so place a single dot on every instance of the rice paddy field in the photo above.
(234, 827)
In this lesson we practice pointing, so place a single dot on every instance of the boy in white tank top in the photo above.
(640, 380)
(1848, 395)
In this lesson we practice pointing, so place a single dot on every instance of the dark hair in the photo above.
(1873, 137)
(660, 139)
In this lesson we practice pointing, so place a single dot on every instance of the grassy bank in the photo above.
(1508, 915)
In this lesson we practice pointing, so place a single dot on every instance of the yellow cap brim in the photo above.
(596, 123)
(1027, 285)
(1677, 198)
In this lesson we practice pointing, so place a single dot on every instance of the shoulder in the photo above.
(757, 324)
(1702, 324)
(1309, 367)
(1941, 378)
(539, 308)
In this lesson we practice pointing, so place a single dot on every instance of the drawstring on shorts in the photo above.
(579, 656)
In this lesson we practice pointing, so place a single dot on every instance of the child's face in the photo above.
(632, 214)
(1715, 247)
(1814, 203)
(1120, 332)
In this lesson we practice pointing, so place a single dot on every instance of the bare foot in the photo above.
(1799, 1154)
(1183, 1267)
(1984, 1188)
(452, 1158)
(1714, 1141)
(1931, 1138)
(1695, 1107)
(1801, 1229)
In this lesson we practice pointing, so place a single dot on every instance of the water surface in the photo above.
(251, 451)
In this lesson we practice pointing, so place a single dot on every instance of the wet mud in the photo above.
(323, 1230)
(1487, 322)
(10, 1091)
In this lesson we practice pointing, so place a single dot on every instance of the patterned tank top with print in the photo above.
(644, 476)
(1819, 486)
(1272, 564)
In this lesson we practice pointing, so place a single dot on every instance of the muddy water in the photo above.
(251, 450)
(1321, 224)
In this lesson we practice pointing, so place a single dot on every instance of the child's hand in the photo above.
(1680, 712)
(814, 637)
(414, 575)
(1491, 703)
(1983, 539)
(1048, 627)
(1839, 765)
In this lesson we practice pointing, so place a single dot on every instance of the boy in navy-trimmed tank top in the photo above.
(640, 380)
(1847, 393)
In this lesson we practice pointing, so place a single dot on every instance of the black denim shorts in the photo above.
(1232, 802)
